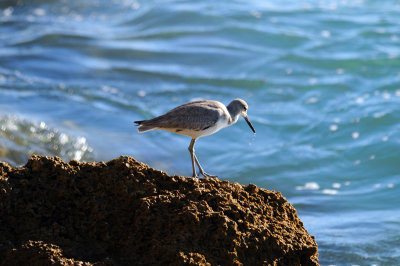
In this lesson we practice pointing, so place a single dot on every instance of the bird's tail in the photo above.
(142, 127)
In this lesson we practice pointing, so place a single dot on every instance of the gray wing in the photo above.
(193, 115)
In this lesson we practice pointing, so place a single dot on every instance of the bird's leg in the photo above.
(201, 169)
(192, 156)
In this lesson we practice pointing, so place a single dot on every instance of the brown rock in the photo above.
(37, 253)
(125, 213)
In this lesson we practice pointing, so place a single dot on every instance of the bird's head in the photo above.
(239, 107)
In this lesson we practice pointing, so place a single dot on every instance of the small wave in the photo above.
(52, 38)
(20, 138)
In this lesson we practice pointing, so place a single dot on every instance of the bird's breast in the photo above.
(220, 124)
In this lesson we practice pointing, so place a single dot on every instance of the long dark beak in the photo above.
(249, 123)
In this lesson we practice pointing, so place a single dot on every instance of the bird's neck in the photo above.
(234, 113)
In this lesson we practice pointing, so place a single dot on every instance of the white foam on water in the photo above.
(328, 191)
(386, 95)
(256, 14)
(312, 100)
(21, 138)
(63, 138)
(326, 33)
(333, 127)
(109, 89)
(141, 93)
(39, 12)
(355, 135)
(378, 114)
(309, 186)
(8, 11)
(359, 100)
(313, 81)
(339, 71)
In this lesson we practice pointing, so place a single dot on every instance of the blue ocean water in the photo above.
(321, 77)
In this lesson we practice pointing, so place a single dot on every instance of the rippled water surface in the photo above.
(322, 80)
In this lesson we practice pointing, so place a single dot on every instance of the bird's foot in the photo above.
(207, 175)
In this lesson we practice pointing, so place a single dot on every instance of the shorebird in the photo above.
(198, 119)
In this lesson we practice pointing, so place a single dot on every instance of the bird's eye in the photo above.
(245, 108)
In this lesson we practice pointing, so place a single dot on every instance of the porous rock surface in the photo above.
(123, 212)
